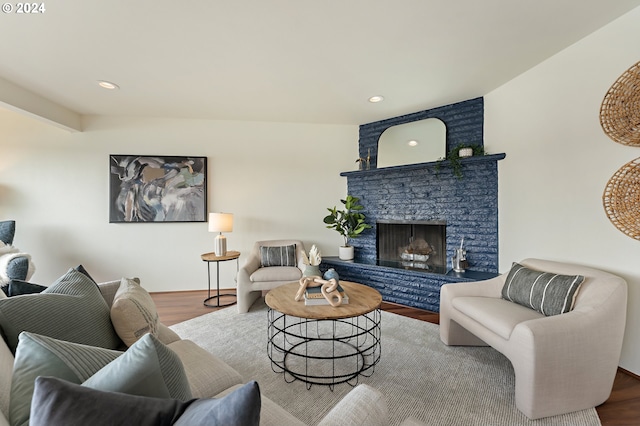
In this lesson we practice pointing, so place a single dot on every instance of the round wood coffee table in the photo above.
(324, 345)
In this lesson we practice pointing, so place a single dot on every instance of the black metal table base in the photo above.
(218, 295)
(324, 352)
(217, 299)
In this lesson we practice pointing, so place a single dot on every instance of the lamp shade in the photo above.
(220, 222)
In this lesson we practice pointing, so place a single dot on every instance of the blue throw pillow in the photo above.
(20, 287)
(60, 403)
(147, 368)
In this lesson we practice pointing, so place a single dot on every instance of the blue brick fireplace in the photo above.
(426, 193)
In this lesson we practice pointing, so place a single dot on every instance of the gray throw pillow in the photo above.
(147, 368)
(60, 403)
(71, 309)
(546, 292)
(278, 255)
(44, 356)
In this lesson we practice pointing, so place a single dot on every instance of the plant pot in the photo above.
(346, 252)
(465, 152)
(312, 271)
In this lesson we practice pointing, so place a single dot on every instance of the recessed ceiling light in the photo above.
(108, 85)
(376, 98)
(412, 143)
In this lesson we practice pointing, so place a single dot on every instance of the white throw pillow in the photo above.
(133, 312)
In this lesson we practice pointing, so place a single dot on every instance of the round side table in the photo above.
(211, 257)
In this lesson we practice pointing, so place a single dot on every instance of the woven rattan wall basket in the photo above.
(621, 199)
(620, 109)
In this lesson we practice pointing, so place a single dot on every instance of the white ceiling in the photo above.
(285, 60)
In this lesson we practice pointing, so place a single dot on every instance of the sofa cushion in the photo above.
(133, 313)
(147, 368)
(207, 374)
(546, 292)
(278, 255)
(44, 356)
(71, 309)
(276, 273)
(60, 403)
(497, 315)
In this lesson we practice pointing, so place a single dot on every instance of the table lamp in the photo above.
(220, 222)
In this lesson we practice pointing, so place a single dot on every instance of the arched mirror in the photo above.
(419, 141)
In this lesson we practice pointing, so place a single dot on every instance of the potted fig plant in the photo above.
(348, 222)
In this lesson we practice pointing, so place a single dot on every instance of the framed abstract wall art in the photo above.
(153, 188)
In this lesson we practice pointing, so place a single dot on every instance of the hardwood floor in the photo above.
(621, 409)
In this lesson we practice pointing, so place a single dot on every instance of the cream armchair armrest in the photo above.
(450, 332)
(362, 406)
(251, 265)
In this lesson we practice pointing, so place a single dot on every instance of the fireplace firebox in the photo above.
(415, 245)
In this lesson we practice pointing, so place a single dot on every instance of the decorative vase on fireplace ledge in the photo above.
(346, 252)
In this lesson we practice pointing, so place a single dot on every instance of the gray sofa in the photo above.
(209, 377)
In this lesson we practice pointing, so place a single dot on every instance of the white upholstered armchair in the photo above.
(562, 363)
(285, 266)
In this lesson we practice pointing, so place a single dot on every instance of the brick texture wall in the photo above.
(425, 191)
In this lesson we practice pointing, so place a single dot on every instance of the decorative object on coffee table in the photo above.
(312, 262)
(328, 288)
(621, 199)
(349, 223)
(620, 109)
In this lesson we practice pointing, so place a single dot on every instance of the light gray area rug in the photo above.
(419, 375)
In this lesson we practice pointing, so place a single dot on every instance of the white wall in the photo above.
(277, 179)
(559, 161)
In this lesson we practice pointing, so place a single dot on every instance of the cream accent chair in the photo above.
(562, 363)
(253, 279)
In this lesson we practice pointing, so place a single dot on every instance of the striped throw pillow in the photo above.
(71, 309)
(546, 292)
(278, 255)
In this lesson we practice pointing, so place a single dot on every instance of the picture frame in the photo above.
(157, 188)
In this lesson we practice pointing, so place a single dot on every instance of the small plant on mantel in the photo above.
(453, 157)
